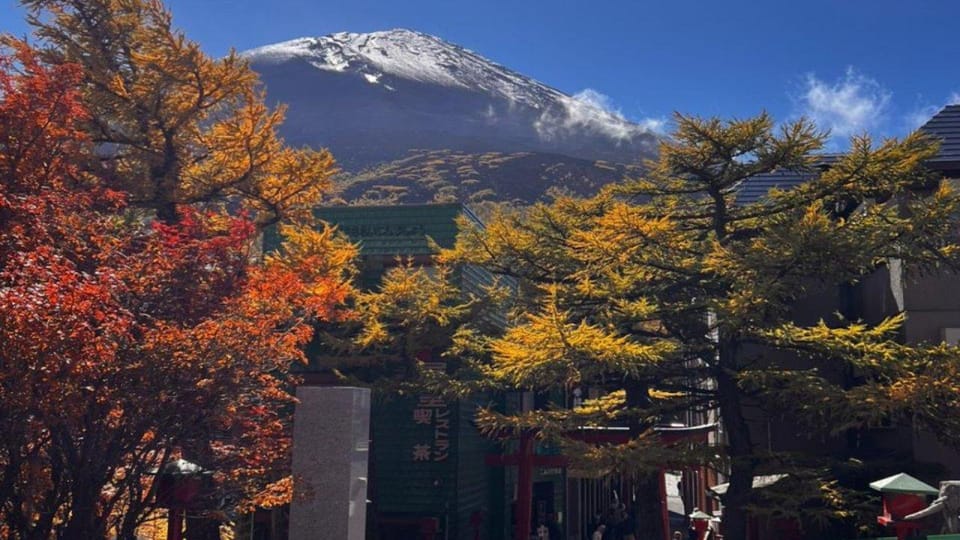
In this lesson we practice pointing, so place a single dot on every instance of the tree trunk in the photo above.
(648, 521)
(84, 522)
(199, 528)
(167, 212)
(740, 449)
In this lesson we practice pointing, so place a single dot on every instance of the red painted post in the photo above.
(476, 521)
(428, 528)
(701, 526)
(175, 524)
(524, 486)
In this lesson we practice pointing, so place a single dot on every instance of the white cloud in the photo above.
(590, 110)
(852, 104)
(593, 98)
(654, 125)
(922, 113)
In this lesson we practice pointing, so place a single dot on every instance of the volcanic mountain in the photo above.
(373, 98)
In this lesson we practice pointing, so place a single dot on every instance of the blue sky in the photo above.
(853, 65)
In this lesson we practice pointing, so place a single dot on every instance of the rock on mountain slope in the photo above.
(371, 98)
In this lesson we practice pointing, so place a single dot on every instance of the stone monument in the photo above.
(331, 431)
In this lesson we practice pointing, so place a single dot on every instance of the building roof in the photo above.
(903, 483)
(758, 483)
(757, 187)
(399, 230)
(945, 126)
(827, 160)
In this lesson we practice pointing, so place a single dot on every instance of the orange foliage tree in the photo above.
(126, 340)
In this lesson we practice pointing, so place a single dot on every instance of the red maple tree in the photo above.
(126, 342)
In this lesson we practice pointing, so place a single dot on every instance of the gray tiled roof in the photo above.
(945, 125)
(756, 187)
(825, 161)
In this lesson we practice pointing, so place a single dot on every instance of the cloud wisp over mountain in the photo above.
(593, 111)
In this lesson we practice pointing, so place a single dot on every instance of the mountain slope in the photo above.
(371, 98)
(445, 175)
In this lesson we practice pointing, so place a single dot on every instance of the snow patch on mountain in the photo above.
(408, 55)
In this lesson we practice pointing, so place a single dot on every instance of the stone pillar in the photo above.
(331, 430)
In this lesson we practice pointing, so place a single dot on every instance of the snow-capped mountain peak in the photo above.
(410, 55)
(383, 90)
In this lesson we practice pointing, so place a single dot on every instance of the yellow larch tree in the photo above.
(173, 125)
(675, 296)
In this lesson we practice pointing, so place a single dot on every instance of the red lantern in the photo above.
(701, 522)
(902, 495)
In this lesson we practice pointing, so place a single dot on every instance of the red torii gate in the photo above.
(526, 460)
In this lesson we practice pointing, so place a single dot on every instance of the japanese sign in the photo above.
(432, 411)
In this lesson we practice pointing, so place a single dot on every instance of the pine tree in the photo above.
(673, 295)
(173, 125)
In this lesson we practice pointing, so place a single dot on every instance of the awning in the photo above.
(758, 482)
(903, 483)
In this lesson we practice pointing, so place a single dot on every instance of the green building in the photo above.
(432, 475)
